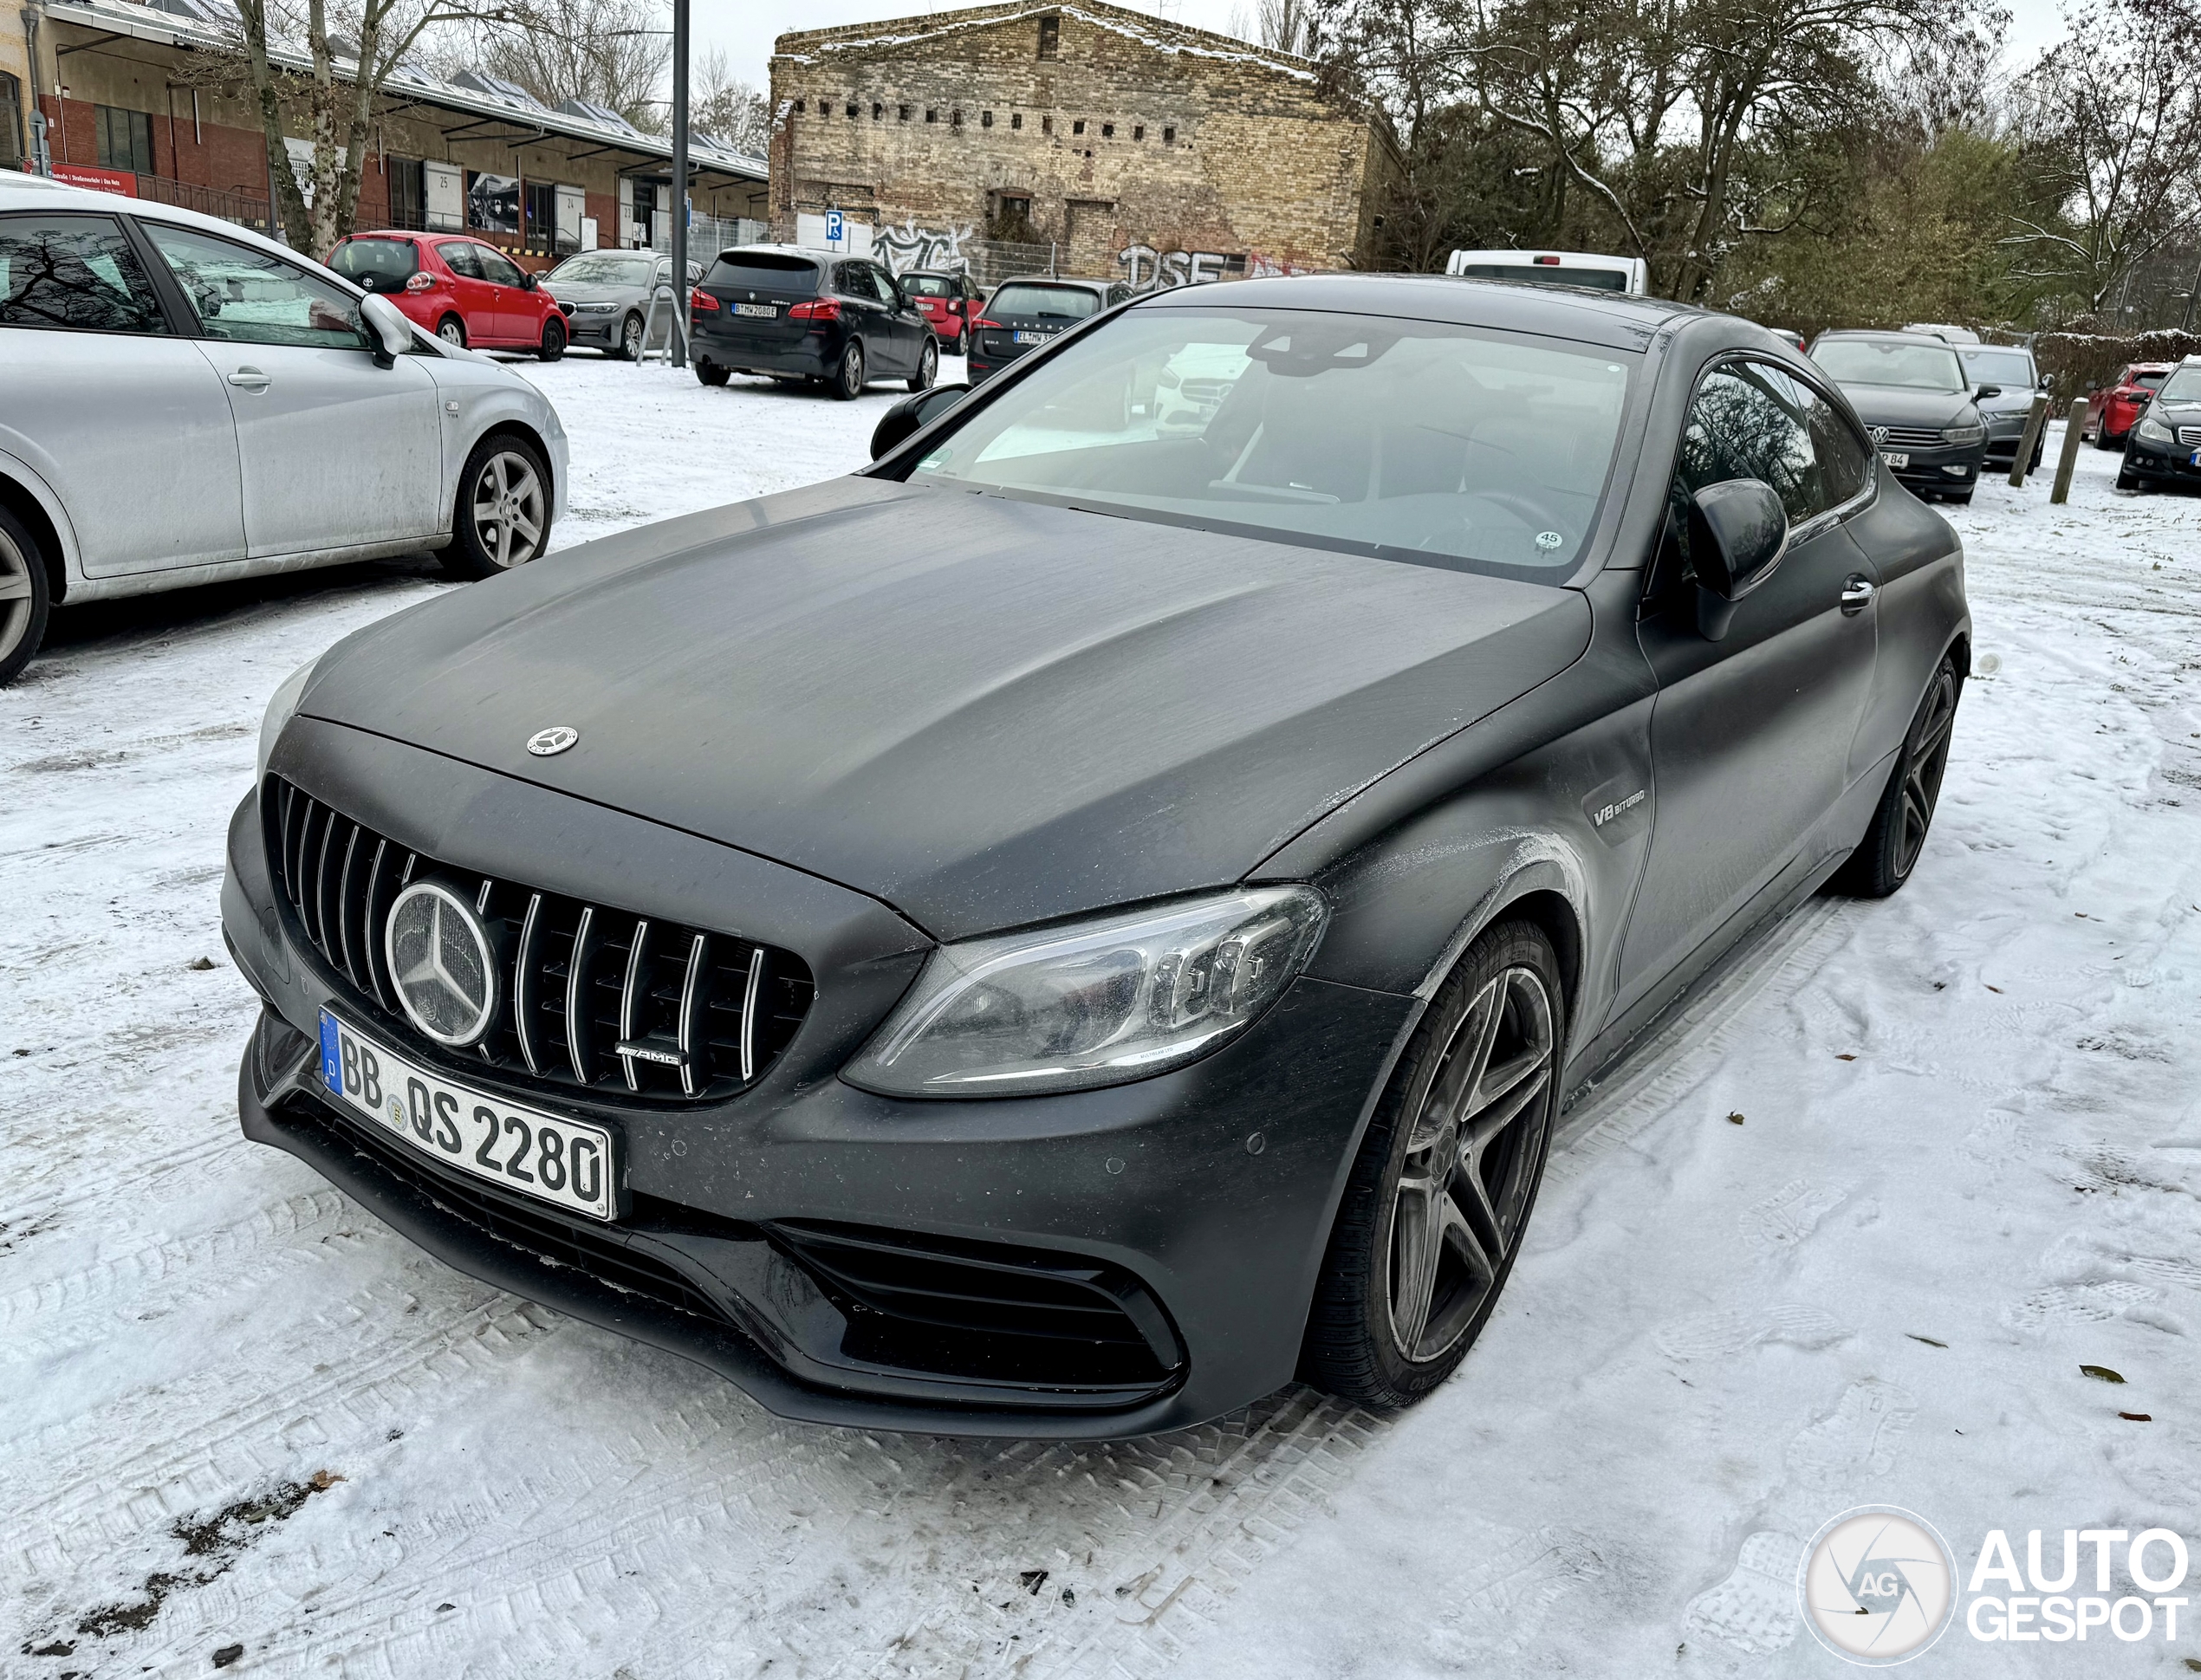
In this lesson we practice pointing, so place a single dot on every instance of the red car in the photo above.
(458, 287)
(949, 303)
(2113, 412)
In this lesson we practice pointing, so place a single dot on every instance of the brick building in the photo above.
(129, 104)
(1139, 149)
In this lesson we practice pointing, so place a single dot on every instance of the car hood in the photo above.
(983, 711)
(567, 292)
(1895, 405)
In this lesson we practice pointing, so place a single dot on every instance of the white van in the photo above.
(1605, 273)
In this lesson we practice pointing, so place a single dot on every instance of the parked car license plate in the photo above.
(1033, 338)
(757, 311)
(2194, 459)
(567, 1163)
(1895, 460)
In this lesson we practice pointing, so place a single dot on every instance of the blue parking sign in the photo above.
(832, 227)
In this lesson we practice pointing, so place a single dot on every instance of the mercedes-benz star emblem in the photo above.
(444, 962)
(555, 739)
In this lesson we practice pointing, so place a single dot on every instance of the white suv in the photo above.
(183, 401)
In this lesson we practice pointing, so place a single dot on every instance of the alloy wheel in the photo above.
(629, 339)
(1470, 1165)
(18, 596)
(453, 330)
(508, 513)
(1923, 766)
(852, 371)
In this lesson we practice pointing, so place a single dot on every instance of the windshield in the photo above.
(1062, 302)
(606, 268)
(1423, 439)
(369, 260)
(1883, 361)
(2011, 369)
(927, 285)
(2182, 387)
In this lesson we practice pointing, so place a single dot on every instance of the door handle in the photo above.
(250, 378)
(1857, 595)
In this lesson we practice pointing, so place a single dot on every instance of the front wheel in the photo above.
(554, 341)
(26, 596)
(502, 518)
(1889, 851)
(630, 340)
(847, 380)
(928, 367)
(1441, 1191)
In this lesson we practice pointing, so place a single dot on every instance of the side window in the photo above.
(246, 296)
(496, 267)
(72, 272)
(1845, 459)
(890, 293)
(848, 279)
(463, 258)
(1748, 421)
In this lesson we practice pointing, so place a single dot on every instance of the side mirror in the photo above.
(912, 414)
(391, 331)
(527, 281)
(1988, 390)
(1738, 532)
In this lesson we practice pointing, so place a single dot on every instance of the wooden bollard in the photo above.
(2072, 427)
(2036, 419)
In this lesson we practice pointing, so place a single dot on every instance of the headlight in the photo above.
(2153, 430)
(280, 705)
(1095, 1002)
(1963, 434)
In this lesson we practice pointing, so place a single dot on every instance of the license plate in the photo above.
(757, 311)
(1895, 460)
(2194, 459)
(569, 1163)
(1034, 338)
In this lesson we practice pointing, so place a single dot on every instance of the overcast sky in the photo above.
(745, 28)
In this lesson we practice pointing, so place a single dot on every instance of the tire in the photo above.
(1964, 501)
(2034, 465)
(629, 348)
(554, 341)
(452, 330)
(961, 344)
(928, 367)
(847, 380)
(2128, 480)
(504, 492)
(2104, 441)
(26, 596)
(712, 373)
(1897, 835)
(1418, 1257)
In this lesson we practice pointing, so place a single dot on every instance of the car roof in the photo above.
(803, 251)
(1618, 320)
(1889, 335)
(44, 194)
(1085, 280)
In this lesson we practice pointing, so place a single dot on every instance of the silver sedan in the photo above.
(183, 401)
(606, 296)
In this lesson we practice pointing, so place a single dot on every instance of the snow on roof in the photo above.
(590, 111)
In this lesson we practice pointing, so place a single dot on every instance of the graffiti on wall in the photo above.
(1146, 269)
(910, 247)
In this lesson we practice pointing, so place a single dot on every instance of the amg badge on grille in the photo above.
(543, 744)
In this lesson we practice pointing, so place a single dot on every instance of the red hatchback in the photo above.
(2113, 412)
(458, 289)
(949, 303)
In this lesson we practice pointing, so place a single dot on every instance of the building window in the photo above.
(1050, 37)
(1015, 118)
(1047, 125)
(1012, 217)
(125, 139)
(901, 114)
(985, 119)
(955, 118)
(1078, 127)
(408, 193)
(799, 106)
(1107, 131)
(10, 121)
(849, 111)
(825, 109)
(931, 115)
(1139, 130)
(1169, 137)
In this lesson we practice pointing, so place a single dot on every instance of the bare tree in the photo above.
(612, 53)
(2113, 123)
(1290, 26)
(725, 107)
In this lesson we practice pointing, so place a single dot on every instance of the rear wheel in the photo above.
(452, 330)
(1447, 1174)
(928, 367)
(962, 343)
(554, 341)
(1884, 861)
(847, 380)
(712, 373)
(26, 596)
(502, 518)
(629, 339)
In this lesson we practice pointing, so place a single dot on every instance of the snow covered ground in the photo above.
(1846, 1237)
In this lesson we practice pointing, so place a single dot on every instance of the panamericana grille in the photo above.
(988, 1311)
(593, 997)
(1911, 437)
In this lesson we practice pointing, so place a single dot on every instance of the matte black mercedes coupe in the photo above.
(1060, 931)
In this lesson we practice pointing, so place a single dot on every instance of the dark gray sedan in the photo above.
(606, 295)
(1101, 912)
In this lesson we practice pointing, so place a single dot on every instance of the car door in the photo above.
(477, 297)
(104, 399)
(517, 311)
(866, 312)
(908, 321)
(1751, 734)
(335, 450)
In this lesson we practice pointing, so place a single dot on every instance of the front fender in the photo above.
(14, 467)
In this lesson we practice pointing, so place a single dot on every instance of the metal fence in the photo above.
(241, 208)
(709, 235)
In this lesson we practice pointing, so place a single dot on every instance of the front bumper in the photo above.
(596, 328)
(1943, 470)
(1201, 1199)
(2171, 463)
